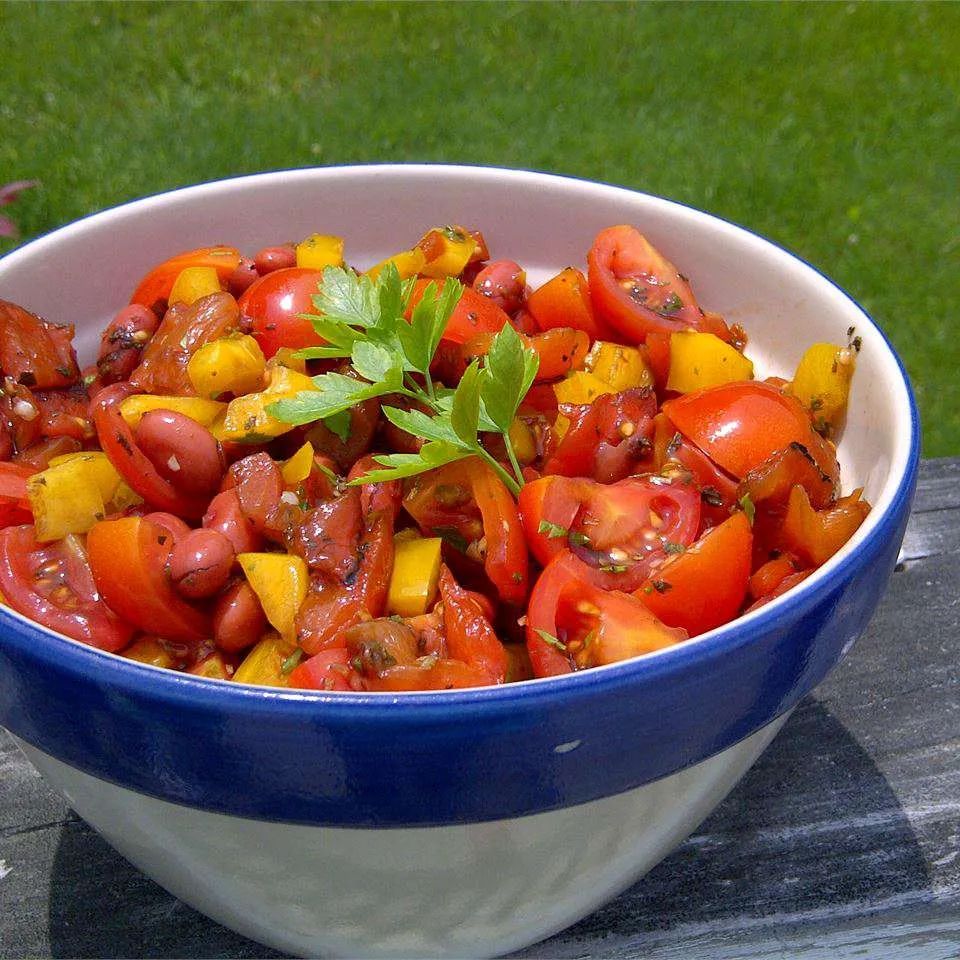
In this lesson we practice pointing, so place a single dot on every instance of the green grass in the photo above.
(831, 128)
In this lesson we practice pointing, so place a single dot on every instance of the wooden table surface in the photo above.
(843, 841)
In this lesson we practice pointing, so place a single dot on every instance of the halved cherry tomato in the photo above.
(327, 670)
(14, 505)
(128, 558)
(769, 576)
(154, 289)
(52, 584)
(705, 586)
(605, 439)
(473, 314)
(470, 637)
(35, 352)
(787, 583)
(573, 624)
(638, 291)
(564, 301)
(623, 530)
(446, 503)
(559, 351)
(739, 425)
(271, 308)
(504, 282)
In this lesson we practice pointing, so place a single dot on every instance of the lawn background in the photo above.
(830, 128)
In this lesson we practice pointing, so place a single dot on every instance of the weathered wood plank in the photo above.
(843, 841)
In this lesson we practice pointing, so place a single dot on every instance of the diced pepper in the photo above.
(524, 445)
(287, 357)
(280, 582)
(621, 367)
(246, 419)
(299, 466)
(192, 283)
(233, 364)
(581, 387)
(448, 250)
(416, 572)
(409, 263)
(822, 384)
(816, 535)
(320, 250)
(263, 665)
(701, 360)
(149, 650)
(65, 499)
(214, 667)
(196, 408)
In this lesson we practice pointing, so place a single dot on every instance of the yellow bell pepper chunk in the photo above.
(416, 572)
(448, 250)
(701, 360)
(192, 283)
(524, 443)
(822, 384)
(64, 499)
(263, 665)
(581, 387)
(622, 367)
(196, 408)
(149, 650)
(320, 250)
(299, 466)
(280, 580)
(287, 357)
(213, 667)
(228, 365)
(246, 419)
(408, 263)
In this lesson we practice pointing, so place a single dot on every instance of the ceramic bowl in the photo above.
(462, 822)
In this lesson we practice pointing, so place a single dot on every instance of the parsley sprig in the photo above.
(363, 320)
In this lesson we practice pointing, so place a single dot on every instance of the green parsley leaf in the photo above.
(509, 370)
(347, 299)
(340, 424)
(746, 505)
(465, 412)
(420, 424)
(420, 337)
(336, 393)
(376, 363)
(291, 661)
(399, 465)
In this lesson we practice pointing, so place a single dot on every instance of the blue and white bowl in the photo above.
(459, 822)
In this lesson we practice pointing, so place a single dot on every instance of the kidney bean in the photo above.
(200, 563)
(123, 341)
(170, 522)
(183, 451)
(238, 618)
(243, 275)
(504, 282)
(275, 258)
(225, 516)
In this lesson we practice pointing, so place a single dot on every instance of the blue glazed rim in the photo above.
(175, 692)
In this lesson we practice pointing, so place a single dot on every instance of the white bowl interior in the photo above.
(86, 271)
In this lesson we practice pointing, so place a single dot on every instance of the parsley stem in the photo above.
(508, 481)
(518, 472)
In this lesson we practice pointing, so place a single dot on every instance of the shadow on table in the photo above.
(757, 854)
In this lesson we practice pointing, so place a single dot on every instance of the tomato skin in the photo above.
(35, 352)
(270, 308)
(470, 637)
(504, 282)
(52, 584)
(594, 625)
(787, 583)
(473, 314)
(128, 558)
(636, 290)
(615, 519)
(769, 576)
(705, 586)
(14, 505)
(564, 301)
(327, 670)
(154, 289)
(739, 425)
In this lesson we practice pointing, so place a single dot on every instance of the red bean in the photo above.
(183, 451)
(170, 522)
(238, 618)
(243, 275)
(123, 341)
(225, 516)
(504, 282)
(275, 258)
(200, 563)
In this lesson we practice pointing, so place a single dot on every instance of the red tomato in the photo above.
(470, 637)
(129, 559)
(559, 351)
(706, 585)
(573, 624)
(53, 585)
(770, 575)
(638, 291)
(504, 282)
(606, 439)
(259, 485)
(272, 305)
(154, 289)
(564, 301)
(446, 503)
(473, 314)
(34, 352)
(327, 670)
(787, 583)
(623, 530)
(14, 506)
(739, 425)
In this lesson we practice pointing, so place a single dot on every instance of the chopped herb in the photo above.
(816, 404)
(669, 546)
(614, 568)
(661, 586)
(291, 661)
(670, 305)
(516, 576)
(452, 536)
(746, 505)
(552, 530)
(711, 496)
(578, 539)
(551, 639)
